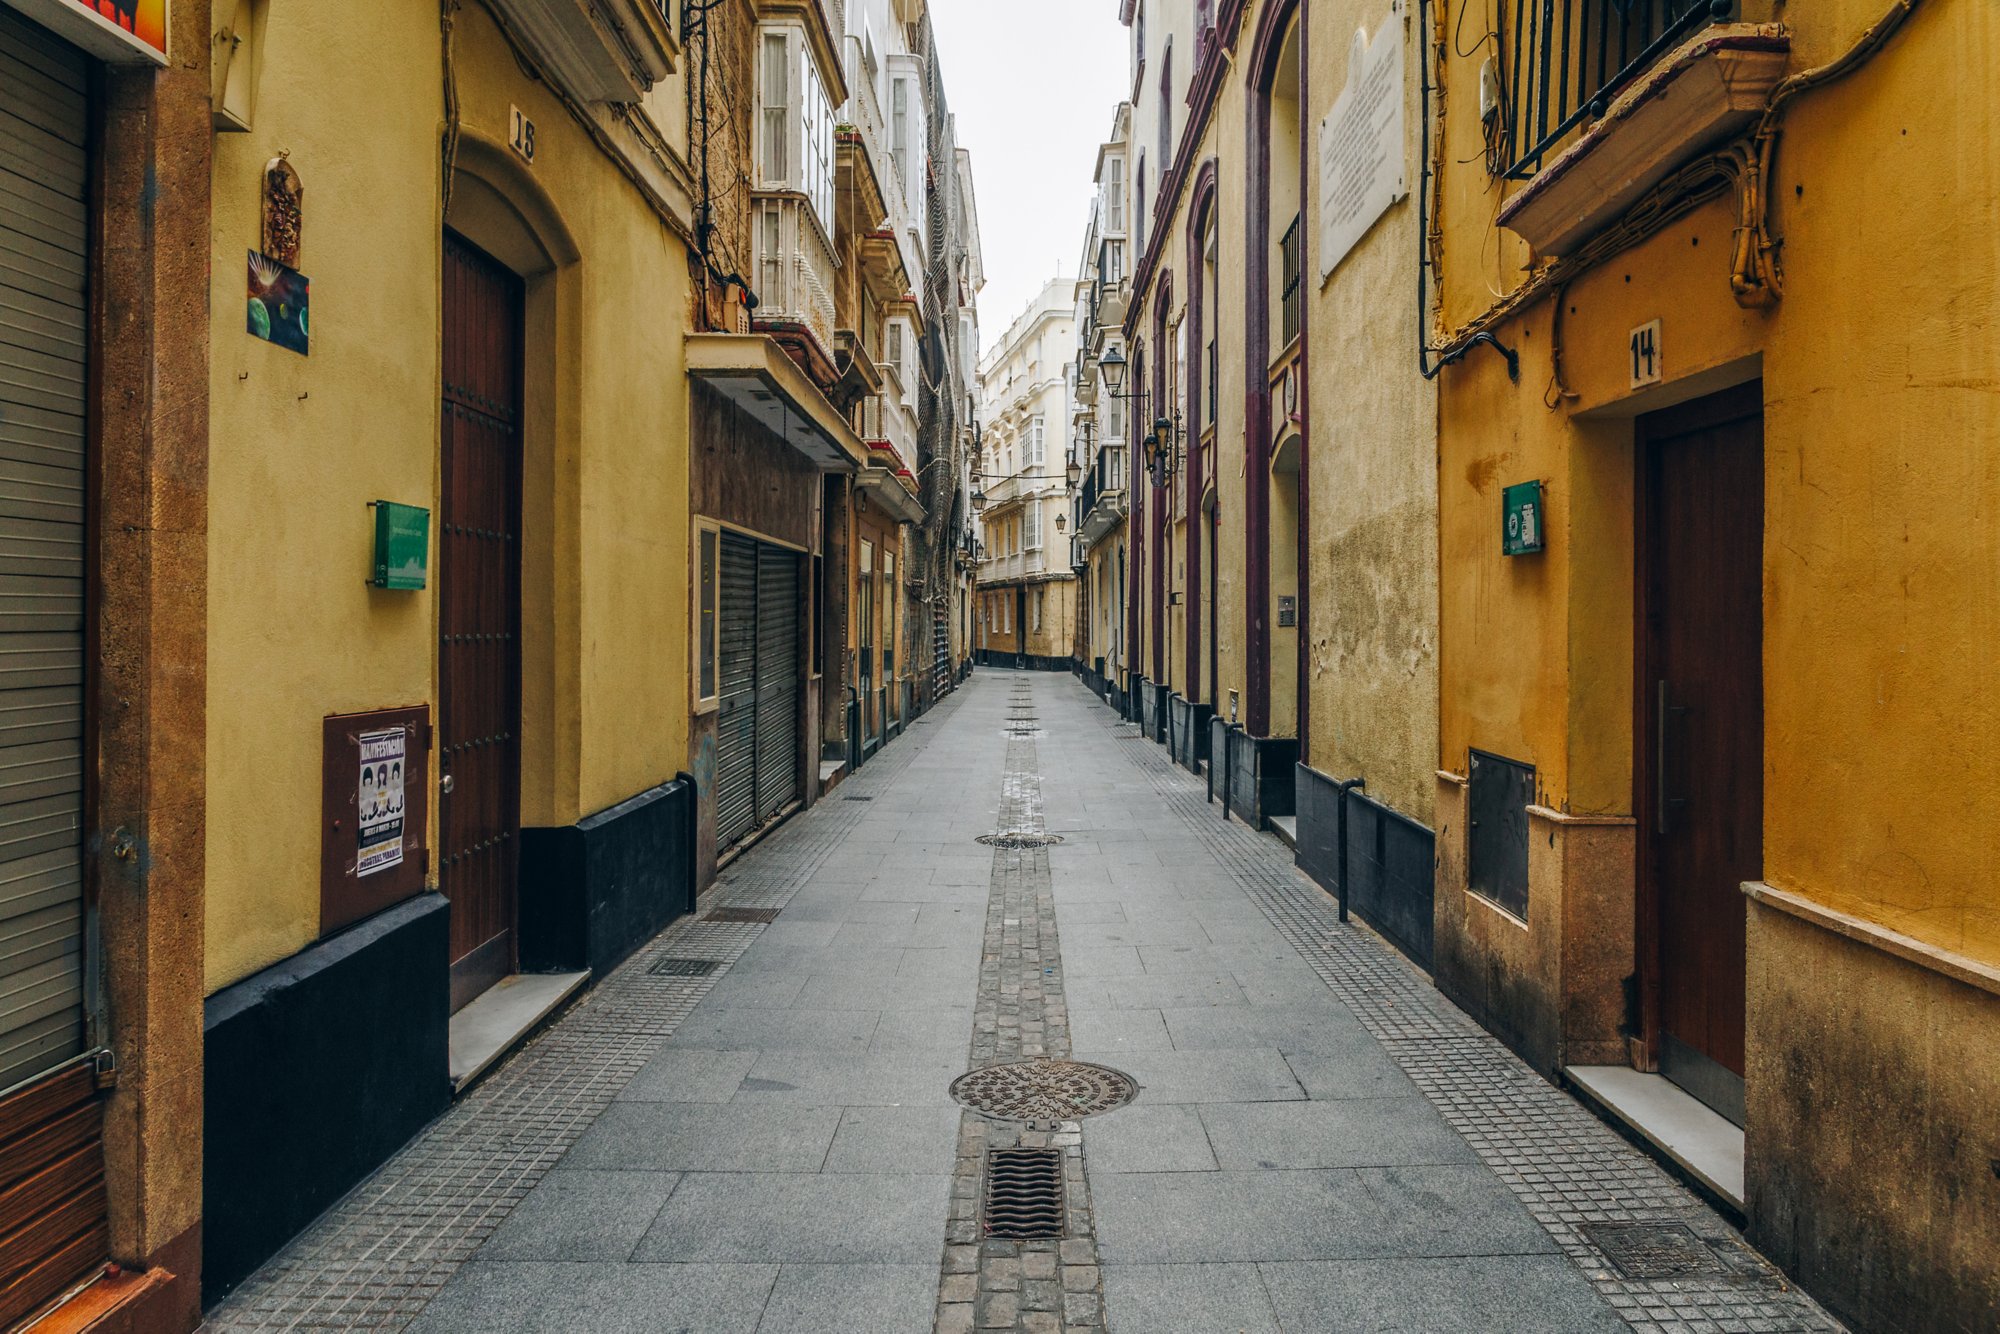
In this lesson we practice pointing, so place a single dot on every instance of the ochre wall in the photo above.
(1373, 564)
(301, 444)
(1881, 468)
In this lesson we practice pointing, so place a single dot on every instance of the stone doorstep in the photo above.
(1286, 827)
(1670, 1124)
(502, 1017)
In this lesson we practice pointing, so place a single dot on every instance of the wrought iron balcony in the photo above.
(1562, 61)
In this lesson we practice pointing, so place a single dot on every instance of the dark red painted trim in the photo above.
(1201, 210)
(1161, 497)
(1309, 281)
(1134, 508)
(1271, 29)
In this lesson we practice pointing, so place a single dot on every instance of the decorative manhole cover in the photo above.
(1646, 1251)
(1018, 842)
(765, 915)
(1043, 1090)
(684, 967)
(1024, 1194)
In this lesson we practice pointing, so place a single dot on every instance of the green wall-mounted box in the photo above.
(1522, 519)
(402, 545)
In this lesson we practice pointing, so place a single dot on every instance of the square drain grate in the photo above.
(684, 967)
(1024, 1194)
(1649, 1251)
(765, 915)
(854, 798)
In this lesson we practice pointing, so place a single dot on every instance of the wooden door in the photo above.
(1700, 724)
(479, 617)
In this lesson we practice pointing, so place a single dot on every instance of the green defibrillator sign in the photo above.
(1521, 519)
(402, 545)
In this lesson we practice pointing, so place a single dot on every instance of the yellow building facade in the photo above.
(475, 353)
(1738, 674)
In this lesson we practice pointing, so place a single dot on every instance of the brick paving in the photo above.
(1320, 1139)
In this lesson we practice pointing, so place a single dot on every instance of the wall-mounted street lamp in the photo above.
(1062, 521)
(1161, 447)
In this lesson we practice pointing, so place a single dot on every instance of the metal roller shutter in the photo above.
(778, 679)
(736, 722)
(44, 120)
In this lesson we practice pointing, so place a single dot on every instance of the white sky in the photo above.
(1034, 84)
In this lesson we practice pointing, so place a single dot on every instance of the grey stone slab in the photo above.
(554, 1298)
(1348, 1213)
(1148, 1137)
(829, 1219)
(971, 892)
(959, 962)
(1272, 986)
(1158, 991)
(850, 909)
(884, 991)
(1544, 1293)
(1363, 1070)
(1085, 962)
(688, 1074)
(1117, 1031)
(756, 990)
(1326, 1024)
(853, 1299)
(807, 934)
(1193, 1299)
(943, 1032)
(696, 1137)
(1345, 1132)
(1071, 912)
(581, 1215)
(923, 1140)
(778, 1030)
(1160, 931)
(918, 1078)
(1254, 1075)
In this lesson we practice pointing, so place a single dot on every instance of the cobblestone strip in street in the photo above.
(1042, 1287)
(1567, 1167)
(376, 1259)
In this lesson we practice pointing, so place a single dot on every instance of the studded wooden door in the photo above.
(479, 617)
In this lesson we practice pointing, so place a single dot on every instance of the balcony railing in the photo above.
(1564, 60)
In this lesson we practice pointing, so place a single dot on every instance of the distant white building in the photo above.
(1025, 600)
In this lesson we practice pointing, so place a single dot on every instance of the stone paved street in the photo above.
(1319, 1141)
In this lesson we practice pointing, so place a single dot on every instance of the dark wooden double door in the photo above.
(479, 617)
(1699, 772)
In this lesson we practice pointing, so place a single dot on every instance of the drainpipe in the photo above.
(1343, 789)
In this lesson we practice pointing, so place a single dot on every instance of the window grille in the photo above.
(1291, 257)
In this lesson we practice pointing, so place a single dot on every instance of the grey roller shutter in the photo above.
(44, 246)
(778, 680)
(736, 721)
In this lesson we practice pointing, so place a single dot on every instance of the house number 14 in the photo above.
(1646, 354)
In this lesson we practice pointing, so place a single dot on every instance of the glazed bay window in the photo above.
(793, 220)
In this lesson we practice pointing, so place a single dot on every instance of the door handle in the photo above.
(1663, 804)
(446, 784)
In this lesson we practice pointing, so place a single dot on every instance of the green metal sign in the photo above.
(1522, 519)
(402, 545)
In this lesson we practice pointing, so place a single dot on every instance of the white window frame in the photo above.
(706, 638)
(1037, 444)
(794, 125)
(1032, 527)
(1114, 194)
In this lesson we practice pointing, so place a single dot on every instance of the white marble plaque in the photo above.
(1361, 143)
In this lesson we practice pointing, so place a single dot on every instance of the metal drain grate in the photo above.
(684, 967)
(1651, 1251)
(1018, 842)
(765, 915)
(853, 798)
(1024, 1194)
(1043, 1090)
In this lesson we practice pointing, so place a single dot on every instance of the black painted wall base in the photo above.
(594, 891)
(1261, 781)
(1219, 732)
(1187, 732)
(314, 1071)
(1390, 865)
(1150, 721)
(1021, 662)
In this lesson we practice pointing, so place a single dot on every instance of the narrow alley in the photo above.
(750, 1124)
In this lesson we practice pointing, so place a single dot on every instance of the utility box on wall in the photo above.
(374, 812)
(402, 546)
(1522, 521)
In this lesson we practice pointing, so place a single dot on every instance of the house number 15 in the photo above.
(1646, 354)
(521, 134)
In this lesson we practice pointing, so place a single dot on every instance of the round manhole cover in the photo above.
(1018, 842)
(1043, 1090)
